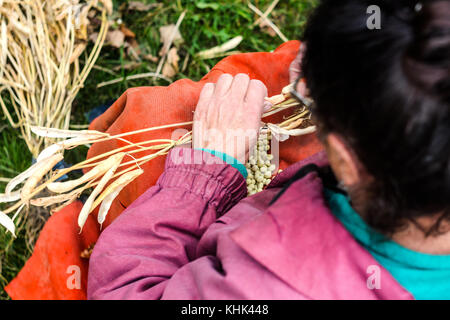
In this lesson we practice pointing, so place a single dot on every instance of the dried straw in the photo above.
(268, 21)
(167, 46)
(221, 49)
(40, 70)
(266, 13)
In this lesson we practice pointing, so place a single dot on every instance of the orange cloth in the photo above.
(45, 274)
(58, 248)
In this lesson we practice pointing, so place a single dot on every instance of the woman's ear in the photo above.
(342, 160)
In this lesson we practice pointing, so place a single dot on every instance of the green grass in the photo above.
(15, 158)
(206, 24)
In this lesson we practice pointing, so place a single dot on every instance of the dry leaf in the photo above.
(115, 38)
(266, 28)
(133, 49)
(171, 68)
(139, 6)
(165, 37)
(151, 58)
(127, 32)
(93, 37)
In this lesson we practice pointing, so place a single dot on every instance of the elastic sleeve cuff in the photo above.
(206, 175)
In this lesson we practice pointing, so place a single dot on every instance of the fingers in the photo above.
(240, 85)
(203, 102)
(242, 88)
(256, 93)
(223, 84)
(206, 93)
(231, 105)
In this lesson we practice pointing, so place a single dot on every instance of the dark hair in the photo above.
(387, 93)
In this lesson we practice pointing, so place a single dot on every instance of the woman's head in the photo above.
(383, 95)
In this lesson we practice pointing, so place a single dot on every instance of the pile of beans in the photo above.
(259, 166)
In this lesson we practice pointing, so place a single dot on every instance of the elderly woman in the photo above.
(367, 219)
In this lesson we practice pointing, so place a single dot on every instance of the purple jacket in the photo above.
(196, 236)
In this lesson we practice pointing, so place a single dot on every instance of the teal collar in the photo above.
(377, 243)
(425, 276)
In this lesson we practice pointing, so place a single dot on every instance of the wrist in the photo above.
(239, 166)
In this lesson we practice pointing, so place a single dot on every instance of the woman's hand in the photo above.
(228, 115)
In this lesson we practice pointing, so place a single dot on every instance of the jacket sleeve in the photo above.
(158, 234)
